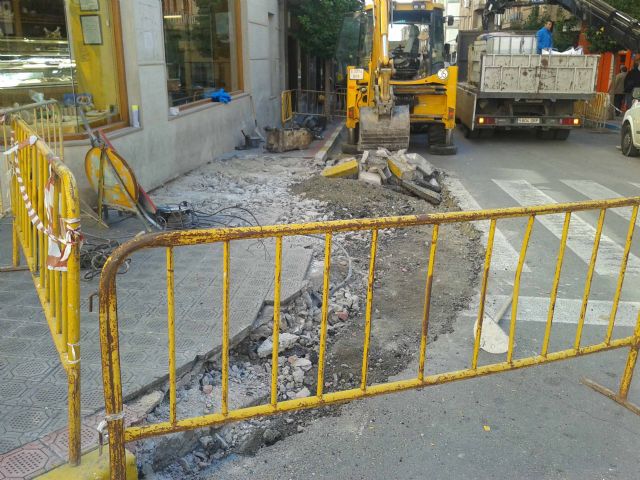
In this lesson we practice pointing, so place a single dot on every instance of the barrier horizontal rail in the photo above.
(46, 222)
(109, 328)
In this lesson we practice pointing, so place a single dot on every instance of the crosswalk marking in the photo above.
(505, 257)
(535, 309)
(581, 233)
(595, 191)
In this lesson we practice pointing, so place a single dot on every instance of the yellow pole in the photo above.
(556, 284)
(276, 323)
(225, 328)
(587, 285)
(427, 301)
(367, 325)
(171, 319)
(483, 294)
(623, 269)
(516, 287)
(325, 313)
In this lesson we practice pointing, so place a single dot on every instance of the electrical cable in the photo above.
(349, 261)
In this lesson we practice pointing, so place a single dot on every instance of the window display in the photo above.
(201, 46)
(63, 50)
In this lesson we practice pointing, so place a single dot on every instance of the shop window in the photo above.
(202, 46)
(67, 50)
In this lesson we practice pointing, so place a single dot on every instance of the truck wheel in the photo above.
(562, 134)
(350, 148)
(487, 132)
(443, 150)
(437, 135)
(626, 144)
(545, 134)
(468, 133)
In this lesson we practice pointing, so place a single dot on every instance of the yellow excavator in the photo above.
(397, 78)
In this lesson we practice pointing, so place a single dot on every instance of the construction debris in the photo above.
(285, 139)
(410, 171)
(348, 168)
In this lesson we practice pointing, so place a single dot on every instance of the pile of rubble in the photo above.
(409, 171)
(249, 384)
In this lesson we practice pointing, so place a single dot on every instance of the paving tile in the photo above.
(27, 462)
(33, 384)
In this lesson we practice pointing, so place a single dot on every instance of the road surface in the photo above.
(527, 424)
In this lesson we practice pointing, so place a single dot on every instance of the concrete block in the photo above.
(424, 193)
(370, 177)
(344, 169)
(401, 168)
(383, 172)
(421, 163)
(280, 140)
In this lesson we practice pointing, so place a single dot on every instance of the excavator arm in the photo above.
(622, 28)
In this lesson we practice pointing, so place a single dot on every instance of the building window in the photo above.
(67, 50)
(202, 45)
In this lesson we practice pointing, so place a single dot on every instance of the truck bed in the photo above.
(523, 75)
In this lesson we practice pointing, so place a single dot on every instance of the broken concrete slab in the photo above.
(370, 177)
(424, 193)
(401, 168)
(421, 163)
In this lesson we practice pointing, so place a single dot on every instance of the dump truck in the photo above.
(507, 85)
(397, 78)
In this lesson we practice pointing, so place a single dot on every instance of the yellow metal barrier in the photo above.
(286, 112)
(109, 328)
(46, 221)
(314, 103)
(597, 111)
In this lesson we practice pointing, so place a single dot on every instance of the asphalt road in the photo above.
(537, 423)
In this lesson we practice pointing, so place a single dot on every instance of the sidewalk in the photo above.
(33, 386)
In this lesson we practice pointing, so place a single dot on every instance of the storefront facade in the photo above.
(105, 58)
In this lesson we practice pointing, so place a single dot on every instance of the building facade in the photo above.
(144, 71)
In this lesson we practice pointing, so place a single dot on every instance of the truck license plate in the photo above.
(529, 121)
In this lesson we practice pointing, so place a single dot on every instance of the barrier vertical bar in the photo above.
(623, 269)
(325, 312)
(632, 358)
(556, 284)
(225, 328)
(516, 287)
(111, 374)
(276, 322)
(72, 214)
(367, 325)
(171, 320)
(483, 293)
(587, 285)
(427, 301)
(63, 281)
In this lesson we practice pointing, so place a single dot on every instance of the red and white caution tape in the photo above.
(59, 249)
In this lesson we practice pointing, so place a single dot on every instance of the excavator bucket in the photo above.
(390, 132)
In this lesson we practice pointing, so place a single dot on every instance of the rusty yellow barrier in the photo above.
(109, 328)
(46, 222)
(312, 103)
(286, 108)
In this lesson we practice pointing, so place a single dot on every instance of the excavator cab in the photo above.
(397, 79)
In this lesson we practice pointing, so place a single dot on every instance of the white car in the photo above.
(630, 140)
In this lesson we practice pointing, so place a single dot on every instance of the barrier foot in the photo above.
(21, 268)
(632, 407)
(93, 466)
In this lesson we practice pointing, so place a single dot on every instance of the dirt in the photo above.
(397, 309)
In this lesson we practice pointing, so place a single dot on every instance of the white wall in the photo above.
(166, 147)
